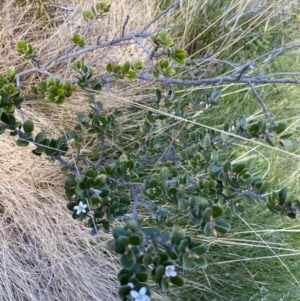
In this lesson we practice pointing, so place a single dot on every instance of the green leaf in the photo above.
(147, 259)
(126, 67)
(195, 201)
(254, 130)
(21, 47)
(286, 136)
(281, 127)
(127, 263)
(38, 151)
(207, 213)
(96, 86)
(243, 122)
(187, 262)
(53, 90)
(118, 231)
(178, 281)
(227, 166)
(159, 272)
(172, 255)
(87, 15)
(164, 284)
(42, 86)
(177, 236)
(110, 218)
(201, 249)
(142, 277)
(224, 137)
(124, 290)
(5, 118)
(162, 34)
(213, 169)
(269, 141)
(40, 137)
(11, 73)
(61, 92)
(164, 237)
(216, 211)
(131, 74)
(78, 39)
(184, 243)
(207, 229)
(284, 195)
(222, 226)
(28, 126)
(94, 201)
(121, 244)
(292, 214)
(70, 181)
(136, 239)
(71, 205)
(214, 156)
(239, 167)
(132, 225)
(181, 204)
(262, 125)
(200, 262)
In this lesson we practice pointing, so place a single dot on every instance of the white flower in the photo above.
(80, 208)
(140, 295)
(130, 284)
(170, 271)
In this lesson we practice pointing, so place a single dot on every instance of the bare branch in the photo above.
(142, 46)
(124, 26)
(213, 80)
(265, 110)
(136, 199)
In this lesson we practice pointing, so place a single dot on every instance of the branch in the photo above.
(265, 110)
(136, 199)
(274, 52)
(142, 46)
(72, 168)
(124, 26)
(214, 80)
(100, 160)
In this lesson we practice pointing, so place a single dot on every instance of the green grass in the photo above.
(259, 259)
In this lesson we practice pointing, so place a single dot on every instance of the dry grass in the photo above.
(45, 255)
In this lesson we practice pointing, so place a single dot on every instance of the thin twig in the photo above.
(136, 199)
(142, 46)
(124, 26)
(265, 110)
(100, 160)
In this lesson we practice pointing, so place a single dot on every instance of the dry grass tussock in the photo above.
(45, 255)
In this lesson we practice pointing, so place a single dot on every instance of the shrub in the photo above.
(175, 169)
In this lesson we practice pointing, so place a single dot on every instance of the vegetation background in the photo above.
(45, 254)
